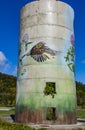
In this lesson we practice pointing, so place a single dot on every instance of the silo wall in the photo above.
(46, 90)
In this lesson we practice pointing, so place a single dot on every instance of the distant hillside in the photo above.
(8, 91)
(80, 90)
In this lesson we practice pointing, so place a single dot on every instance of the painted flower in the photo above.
(26, 41)
(72, 39)
(69, 58)
(25, 37)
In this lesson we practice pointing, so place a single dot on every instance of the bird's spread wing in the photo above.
(40, 58)
(40, 52)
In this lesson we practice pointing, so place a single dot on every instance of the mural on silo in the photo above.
(46, 83)
(70, 55)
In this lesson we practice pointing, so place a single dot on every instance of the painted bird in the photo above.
(41, 52)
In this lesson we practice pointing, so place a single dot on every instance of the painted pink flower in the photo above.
(26, 37)
(72, 39)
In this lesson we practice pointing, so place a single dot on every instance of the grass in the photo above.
(81, 113)
(10, 126)
(7, 112)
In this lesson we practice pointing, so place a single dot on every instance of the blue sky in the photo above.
(9, 35)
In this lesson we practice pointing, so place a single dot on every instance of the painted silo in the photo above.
(46, 82)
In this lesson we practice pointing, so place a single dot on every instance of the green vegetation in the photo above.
(7, 112)
(50, 114)
(80, 91)
(70, 58)
(8, 98)
(7, 90)
(10, 126)
(50, 89)
(81, 113)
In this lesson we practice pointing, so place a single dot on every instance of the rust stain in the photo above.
(29, 116)
(39, 117)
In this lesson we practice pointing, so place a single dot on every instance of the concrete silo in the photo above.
(46, 90)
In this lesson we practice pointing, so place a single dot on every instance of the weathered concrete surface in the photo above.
(46, 55)
(78, 126)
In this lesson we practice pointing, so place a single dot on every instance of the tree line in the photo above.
(8, 91)
(80, 92)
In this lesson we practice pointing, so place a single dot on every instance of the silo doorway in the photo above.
(51, 113)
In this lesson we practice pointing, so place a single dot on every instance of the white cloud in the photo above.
(2, 58)
(15, 71)
(6, 66)
(83, 61)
